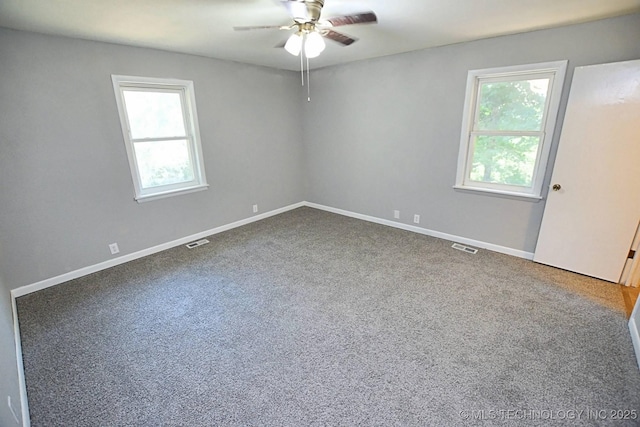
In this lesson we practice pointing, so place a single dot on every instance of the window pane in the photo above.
(154, 114)
(512, 105)
(163, 162)
(506, 160)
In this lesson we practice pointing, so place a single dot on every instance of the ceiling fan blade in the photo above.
(356, 18)
(263, 27)
(338, 37)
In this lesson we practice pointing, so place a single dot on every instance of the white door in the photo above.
(591, 217)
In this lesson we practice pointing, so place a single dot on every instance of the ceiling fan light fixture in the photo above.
(314, 45)
(294, 44)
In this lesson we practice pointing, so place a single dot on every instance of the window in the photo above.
(160, 128)
(508, 124)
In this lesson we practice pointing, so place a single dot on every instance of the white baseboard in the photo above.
(43, 284)
(22, 385)
(634, 330)
(426, 231)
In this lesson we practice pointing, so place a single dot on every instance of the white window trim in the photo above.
(557, 71)
(191, 126)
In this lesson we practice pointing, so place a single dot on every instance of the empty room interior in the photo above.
(319, 213)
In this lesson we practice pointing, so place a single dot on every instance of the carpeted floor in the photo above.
(310, 318)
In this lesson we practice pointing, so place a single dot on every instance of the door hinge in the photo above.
(632, 254)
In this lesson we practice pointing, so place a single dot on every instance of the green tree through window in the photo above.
(513, 106)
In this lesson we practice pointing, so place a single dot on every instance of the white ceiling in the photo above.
(205, 27)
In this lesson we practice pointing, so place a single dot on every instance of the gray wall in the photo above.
(384, 134)
(66, 190)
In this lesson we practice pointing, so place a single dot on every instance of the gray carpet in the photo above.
(310, 318)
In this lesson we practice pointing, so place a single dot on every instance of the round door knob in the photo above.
(556, 187)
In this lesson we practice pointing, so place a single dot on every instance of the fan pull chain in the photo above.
(308, 82)
(301, 68)
(302, 57)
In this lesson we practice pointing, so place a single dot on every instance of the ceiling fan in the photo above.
(311, 29)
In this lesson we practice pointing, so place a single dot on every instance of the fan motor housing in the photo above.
(311, 13)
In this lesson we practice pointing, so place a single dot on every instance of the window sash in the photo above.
(186, 119)
(528, 189)
(164, 187)
(512, 78)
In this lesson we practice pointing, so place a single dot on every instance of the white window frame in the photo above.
(190, 116)
(555, 71)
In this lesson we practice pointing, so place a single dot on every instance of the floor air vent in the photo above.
(197, 243)
(464, 248)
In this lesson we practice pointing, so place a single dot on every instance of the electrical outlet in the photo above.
(396, 214)
(13, 412)
(255, 208)
(113, 247)
(416, 219)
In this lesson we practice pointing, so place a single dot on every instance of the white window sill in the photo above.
(499, 193)
(156, 196)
